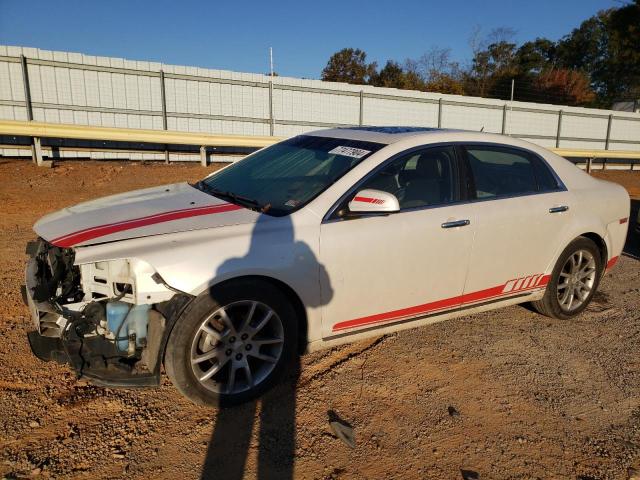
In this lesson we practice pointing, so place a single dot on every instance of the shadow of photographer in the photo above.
(272, 415)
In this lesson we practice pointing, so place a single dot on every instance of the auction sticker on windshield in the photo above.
(350, 152)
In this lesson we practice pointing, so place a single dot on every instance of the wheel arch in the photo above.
(178, 306)
(600, 243)
(289, 292)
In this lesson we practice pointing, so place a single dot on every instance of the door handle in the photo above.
(455, 223)
(558, 209)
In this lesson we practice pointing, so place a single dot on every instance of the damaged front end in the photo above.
(109, 320)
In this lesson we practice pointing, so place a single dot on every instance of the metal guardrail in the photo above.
(577, 153)
(83, 132)
(37, 130)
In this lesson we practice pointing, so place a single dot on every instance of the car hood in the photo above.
(151, 211)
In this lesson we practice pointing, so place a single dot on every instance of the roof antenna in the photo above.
(482, 129)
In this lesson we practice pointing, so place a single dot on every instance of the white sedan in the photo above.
(325, 238)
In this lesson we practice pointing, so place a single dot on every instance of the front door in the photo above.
(387, 270)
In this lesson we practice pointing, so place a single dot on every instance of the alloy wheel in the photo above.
(576, 280)
(237, 347)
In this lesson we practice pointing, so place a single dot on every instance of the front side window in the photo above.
(421, 178)
(284, 177)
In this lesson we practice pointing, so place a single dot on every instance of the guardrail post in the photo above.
(36, 144)
(204, 161)
(361, 118)
(559, 132)
(440, 113)
(589, 160)
(164, 113)
(271, 119)
(606, 142)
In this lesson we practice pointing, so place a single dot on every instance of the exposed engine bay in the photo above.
(109, 320)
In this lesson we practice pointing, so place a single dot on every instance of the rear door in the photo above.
(521, 209)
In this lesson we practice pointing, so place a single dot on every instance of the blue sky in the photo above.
(236, 35)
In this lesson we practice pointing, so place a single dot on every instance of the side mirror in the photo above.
(373, 201)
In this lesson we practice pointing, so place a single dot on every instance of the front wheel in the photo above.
(573, 282)
(232, 344)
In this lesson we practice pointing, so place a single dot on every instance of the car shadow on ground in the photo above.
(273, 415)
(632, 244)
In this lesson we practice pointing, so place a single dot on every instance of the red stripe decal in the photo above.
(369, 200)
(91, 233)
(432, 307)
(612, 262)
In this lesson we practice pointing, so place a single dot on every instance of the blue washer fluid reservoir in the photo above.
(116, 315)
(137, 322)
(124, 319)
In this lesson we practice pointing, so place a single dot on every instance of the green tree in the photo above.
(623, 72)
(349, 65)
(536, 56)
(606, 47)
(392, 75)
(586, 49)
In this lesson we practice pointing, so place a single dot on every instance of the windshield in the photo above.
(284, 177)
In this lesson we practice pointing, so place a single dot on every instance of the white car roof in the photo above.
(417, 135)
(386, 135)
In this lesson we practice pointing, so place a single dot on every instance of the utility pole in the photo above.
(513, 84)
(271, 60)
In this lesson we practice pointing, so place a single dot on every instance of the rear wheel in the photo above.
(232, 344)
(573, 282)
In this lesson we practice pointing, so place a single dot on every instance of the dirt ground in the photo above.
(507, 394)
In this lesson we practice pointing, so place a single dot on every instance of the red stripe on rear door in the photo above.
(437, 306)
(92, 233)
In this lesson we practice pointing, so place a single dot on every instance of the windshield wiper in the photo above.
(239, 199)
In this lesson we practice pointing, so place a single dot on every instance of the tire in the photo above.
(213, 335)
(559, 285)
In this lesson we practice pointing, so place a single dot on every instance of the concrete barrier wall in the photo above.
(73, 88)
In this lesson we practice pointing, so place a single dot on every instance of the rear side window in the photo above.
(501, 172)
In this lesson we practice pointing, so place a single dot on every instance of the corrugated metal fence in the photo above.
(72, 88)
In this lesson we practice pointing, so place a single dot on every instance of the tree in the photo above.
(394, 76)
(391, 76)
(493, 56)
(349, 65)
(623, 79)
(595, 64)
(536, 56)
(569, 87)
(606, 47)
(444, 83)
(585, 49)
(436, 71)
